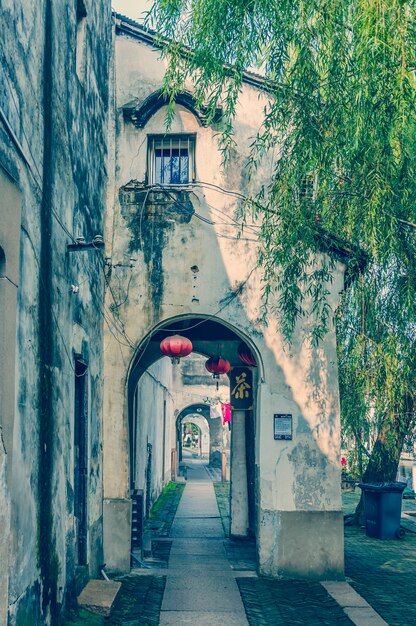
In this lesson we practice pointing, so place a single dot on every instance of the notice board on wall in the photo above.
(283, 427)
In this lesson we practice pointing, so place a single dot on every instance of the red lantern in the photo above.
(176, 347)
(246, 356)
(217, 366)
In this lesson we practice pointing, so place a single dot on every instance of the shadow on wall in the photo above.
(196, 277)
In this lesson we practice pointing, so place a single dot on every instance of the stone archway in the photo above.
(267, 483)
(215, 430)
(206, 334)
(198, 423)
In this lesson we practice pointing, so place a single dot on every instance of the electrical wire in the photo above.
(141, 218)
(153, 377)
(165, 189)
(54, 316)
(119, 304)
(255, 229)
(230, 299)
(39, 183)
(120, 327)
(228, 192)
(108, 313)
(204, 219)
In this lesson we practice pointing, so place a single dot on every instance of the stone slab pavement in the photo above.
(201, 586)
(211, 580)
(353, 605)
(384, 573)
(205, 586)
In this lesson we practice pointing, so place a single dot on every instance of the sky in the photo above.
(132, 8)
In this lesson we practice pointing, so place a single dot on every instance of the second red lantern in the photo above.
(216, 366)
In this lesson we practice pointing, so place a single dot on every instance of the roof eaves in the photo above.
(127, 26)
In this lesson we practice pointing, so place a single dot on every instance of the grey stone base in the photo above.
(307, 545)
(96, 548)
(117, 534)
(215, 459)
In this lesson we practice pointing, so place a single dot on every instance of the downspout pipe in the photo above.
(48, 560)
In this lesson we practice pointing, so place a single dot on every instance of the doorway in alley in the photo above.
(173, 409)
(81, 459)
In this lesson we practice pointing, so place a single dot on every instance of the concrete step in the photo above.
(98, 596)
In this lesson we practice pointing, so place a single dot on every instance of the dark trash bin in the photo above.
(383, 508)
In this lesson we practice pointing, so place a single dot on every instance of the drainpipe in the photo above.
(48, 561)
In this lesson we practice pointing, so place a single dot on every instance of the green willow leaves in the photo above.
(340, 81)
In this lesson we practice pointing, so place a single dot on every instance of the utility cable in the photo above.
(230, 299)
(204, 219)
(39, 183)
(67, 352)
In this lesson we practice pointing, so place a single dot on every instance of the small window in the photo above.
(171, 159)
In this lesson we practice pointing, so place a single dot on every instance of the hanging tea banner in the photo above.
(241, 389)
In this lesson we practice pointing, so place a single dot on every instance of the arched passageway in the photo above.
(195, 436)
(272, 479)
(203, 411)
(155, 432)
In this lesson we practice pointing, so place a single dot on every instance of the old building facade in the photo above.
(173, 217)
(54, 66)
(90, 411)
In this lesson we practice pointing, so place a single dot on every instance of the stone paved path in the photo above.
(201, 586)
(205, 588)
(384, 573)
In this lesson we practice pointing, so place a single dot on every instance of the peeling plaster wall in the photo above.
(56, 151)
(153, 429)
(299, 477)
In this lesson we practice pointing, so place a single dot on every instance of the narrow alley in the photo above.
(206, 578)
(201, 588)
(180, 273)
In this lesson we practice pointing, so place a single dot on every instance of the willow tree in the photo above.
(340, 79)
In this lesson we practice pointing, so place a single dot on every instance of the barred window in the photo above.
(171, 159)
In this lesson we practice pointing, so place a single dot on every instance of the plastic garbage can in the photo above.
(383, 508)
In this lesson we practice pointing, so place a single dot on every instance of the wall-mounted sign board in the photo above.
(241, 389)
(283, 426)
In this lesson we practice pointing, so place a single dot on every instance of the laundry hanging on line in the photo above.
(226, 413)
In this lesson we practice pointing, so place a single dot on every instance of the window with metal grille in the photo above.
(171, 159)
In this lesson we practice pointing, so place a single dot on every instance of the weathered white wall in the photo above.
(151, 394)
(10, 209)
(298, 481)
(53, 145)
